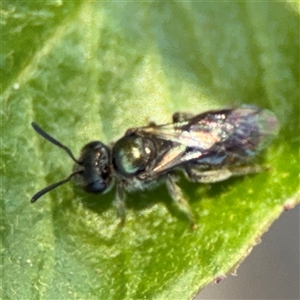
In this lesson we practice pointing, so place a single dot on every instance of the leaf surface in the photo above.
(88, 71)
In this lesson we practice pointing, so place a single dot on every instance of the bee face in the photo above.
(94, 172)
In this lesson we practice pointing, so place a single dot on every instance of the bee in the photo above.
(208, 147)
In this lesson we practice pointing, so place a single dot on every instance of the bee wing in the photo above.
(174, 157)
(240, 132)
(243, 128)
(200, 132)
(184, 133)
(190, 139)
(187, 145)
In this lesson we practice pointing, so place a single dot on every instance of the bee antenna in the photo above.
(52, 140)
(52, 186)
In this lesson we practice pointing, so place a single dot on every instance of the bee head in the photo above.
(92, 170)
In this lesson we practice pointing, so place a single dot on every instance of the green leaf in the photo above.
(88, 71)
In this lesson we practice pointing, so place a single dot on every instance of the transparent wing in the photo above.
(174, 157)
(243, 128)
(240, 132)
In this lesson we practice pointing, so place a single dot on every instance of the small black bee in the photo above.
(208, 147)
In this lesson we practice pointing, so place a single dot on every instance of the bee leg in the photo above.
(176, 194)
(120, 204)
(181, 116)
(220, 174)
